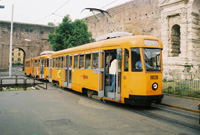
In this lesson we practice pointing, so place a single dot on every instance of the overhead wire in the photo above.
(54, 12)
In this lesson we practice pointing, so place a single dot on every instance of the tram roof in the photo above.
(129, 41)
(41, 56)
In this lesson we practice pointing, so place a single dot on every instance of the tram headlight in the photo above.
(155, 86)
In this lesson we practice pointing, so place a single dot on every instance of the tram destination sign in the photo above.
(151, 42)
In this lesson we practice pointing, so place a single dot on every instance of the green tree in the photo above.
(51, 24)
(70, 34)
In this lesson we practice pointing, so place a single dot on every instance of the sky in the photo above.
(44, 11)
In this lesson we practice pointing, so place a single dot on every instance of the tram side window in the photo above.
(66, 57)
(81, 61)
(38, 62)
(76, 61)
(59, 62)
(54, 62)
(95, 58)
(35, 63)
(126, 56)
(70, 61)
(27, 64)
(62, 64)
(48, 62)
(136, 59)
(88, 61)
(45, 62)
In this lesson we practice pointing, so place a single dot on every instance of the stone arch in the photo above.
(24, 53)
(175, 40)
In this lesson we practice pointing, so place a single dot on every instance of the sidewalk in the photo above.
(187, 104)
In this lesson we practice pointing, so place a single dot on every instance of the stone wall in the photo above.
(140, 17)
(32, 39)
(175, 22)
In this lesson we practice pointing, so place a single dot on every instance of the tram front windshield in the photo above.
(151, 57)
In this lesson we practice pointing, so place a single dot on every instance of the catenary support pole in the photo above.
(11, 42)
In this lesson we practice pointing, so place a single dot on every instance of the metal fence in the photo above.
(183, 88)
(22, 82)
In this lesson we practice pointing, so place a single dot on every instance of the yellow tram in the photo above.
(38, 67)
(28, 65)
(87, 69)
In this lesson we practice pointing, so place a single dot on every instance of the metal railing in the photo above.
(15, 81)
(190, 88)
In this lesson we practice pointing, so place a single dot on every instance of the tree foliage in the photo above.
(70, 34)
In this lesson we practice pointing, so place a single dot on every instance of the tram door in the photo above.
(42, 68)
(109, 84)
(68, 72)
(50, 70)
(33, 64)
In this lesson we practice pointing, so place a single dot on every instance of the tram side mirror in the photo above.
(119, 54)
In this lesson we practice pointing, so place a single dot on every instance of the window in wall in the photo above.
(76, 61)
(95, 59)
(175, 41)
(88, 61)
(81, 61)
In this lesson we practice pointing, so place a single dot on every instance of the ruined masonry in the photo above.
(31, 39)
(175, 22)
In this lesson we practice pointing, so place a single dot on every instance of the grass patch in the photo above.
(18, 88)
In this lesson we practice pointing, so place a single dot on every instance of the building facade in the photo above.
(17, 56)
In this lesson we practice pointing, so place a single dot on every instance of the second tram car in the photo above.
(137, 77)
(28, 65)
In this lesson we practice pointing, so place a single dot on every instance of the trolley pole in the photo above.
(11, 42)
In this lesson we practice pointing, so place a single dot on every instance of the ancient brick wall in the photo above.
(140, 17)
(32, 39)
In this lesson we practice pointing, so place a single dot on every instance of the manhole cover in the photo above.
(60, 122)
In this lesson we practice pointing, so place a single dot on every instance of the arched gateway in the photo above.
(32, 39)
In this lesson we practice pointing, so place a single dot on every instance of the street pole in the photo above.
(1, 6)
(11, 42)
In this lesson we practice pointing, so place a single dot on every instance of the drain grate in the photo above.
(60, 122)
